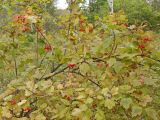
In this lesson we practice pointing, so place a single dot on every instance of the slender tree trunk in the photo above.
(124, 5)
(110, 3)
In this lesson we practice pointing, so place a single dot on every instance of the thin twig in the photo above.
(78, 73)
(153, 59)
(15, 62)
(55, 73)
(37, 51)
(42, 59)
(57, 67)
(114, 44)
(41, 34)
(48, 76)
(15, 66)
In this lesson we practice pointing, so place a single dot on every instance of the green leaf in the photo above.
(43, 85)
(151, 113)
(76, 112)
(89, 100)
(36, 115)
(40, 117)
(23, 118)
(51, 90)
(63, 112)
(32, 19)
(79, 89)
(83, 107)
(124, 88)
(81, 96)
(43, 106)
(118, 67)
(105, 91)
(100, 115)
(66, 102)
(136, 110)
(111, 61)
(8, 98)
(84, 68)
(87, 115)
(30, 88)
(58, 52)
(126, 102)
(114, 91)
(30, 85)
(145, 100)
(109, 103)
(6, 113)
(107, 42)
(99, 97)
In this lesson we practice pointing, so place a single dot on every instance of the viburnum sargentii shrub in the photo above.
(106, 71)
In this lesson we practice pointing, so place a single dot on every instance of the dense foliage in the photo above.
(108, 70)
(137, 11)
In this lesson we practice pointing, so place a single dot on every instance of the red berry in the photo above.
(141, 46)
(68, 98)
(16, 17)
(26, 23)
(65, 96)
(94, 105)
(23, 19)
(126, 25)
(146, 39)
(81, 21)
(71, 65)
(82, 30)
(107, 65)
(25, 28)
(13, 102)
(19, 19)
(47, 47)
(27, 109)
(99, 65)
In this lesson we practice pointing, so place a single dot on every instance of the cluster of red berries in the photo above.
(82, 27)
(13, 102)
(81, 22)
(83, 30)
(47, 47)
(94, 105)
(124, 25)
(22, 20)
(141, 46)
(146, 39)
(143, 42)
(27, 109)
(67, 97)
(71, 66)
